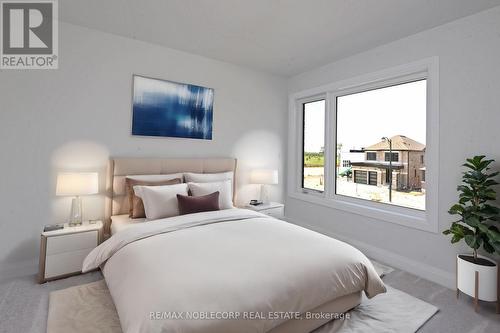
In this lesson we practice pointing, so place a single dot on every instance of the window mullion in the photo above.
(300, 145)
(330, 145)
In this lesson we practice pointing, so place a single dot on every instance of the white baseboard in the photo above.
(412, 266)
(8, 271)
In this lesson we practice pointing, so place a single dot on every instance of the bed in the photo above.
(233, 270)
(123, 222)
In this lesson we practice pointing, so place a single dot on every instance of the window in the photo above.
(374, 131)
(395, 118)
(360, 177)
(372, 178)
(313, 171)
(395, 157)
(371, 156)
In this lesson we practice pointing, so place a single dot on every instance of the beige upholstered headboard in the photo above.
(119, 168)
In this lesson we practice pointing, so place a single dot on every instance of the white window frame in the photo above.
(423, 220)
(301, 102)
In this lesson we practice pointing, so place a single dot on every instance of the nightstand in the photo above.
(62, 251)
(274, 209)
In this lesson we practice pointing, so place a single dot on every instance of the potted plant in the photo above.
(477, 276)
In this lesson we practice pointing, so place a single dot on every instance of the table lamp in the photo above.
(264, 177)
(77, 184)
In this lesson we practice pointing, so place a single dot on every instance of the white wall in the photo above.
(469, 54)
(75, 117)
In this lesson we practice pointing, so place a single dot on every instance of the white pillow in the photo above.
(160, 201)
(225, 191)
(208, 177)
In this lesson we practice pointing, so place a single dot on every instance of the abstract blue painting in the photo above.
(166, 108)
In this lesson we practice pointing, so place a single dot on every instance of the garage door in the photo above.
(372, 178)
(360, 176)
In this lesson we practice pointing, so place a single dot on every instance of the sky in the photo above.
(364, 118)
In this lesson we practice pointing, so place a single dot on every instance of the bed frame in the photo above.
(118, 168)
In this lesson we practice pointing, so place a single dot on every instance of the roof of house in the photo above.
(399, 142)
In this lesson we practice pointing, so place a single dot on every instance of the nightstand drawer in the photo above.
(65, 263)
(277, 212)
(72, 242)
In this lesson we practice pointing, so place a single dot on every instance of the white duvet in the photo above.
(165, 275)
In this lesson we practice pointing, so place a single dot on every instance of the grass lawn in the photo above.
(312, 160)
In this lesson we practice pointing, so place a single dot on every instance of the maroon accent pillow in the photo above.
(202, 203)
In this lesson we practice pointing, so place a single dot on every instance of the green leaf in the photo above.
(485, 216)
(464, 189)
(487, 247)
(473, 241)
(494, 174)
(469, 165)
(490, 182)
(456, 209)
(469, 239)
(476, 160)
(483, 227)
(482, 165)
(490, 209)
(457, 228)
(456, 239)
(473, 221)
(463, 201)
(496, 245)
(493, 234)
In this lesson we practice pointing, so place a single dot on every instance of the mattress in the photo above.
(122, 222)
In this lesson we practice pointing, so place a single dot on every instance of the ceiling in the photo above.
(284, 37)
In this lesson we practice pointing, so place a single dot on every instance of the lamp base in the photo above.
(76, 212)
(264, 194)
(75, 224)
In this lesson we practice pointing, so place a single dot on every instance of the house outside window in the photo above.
(404, 175)
(390, 174)
(371, 156)
(395, 157)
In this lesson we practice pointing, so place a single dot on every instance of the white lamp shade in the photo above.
(77, 184)
(264, 176)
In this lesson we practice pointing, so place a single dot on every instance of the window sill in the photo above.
(393, 214)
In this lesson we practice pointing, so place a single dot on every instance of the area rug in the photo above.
(89, 308)
(394, 311)
(381, 269)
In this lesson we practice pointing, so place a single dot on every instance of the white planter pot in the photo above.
(486, 283)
